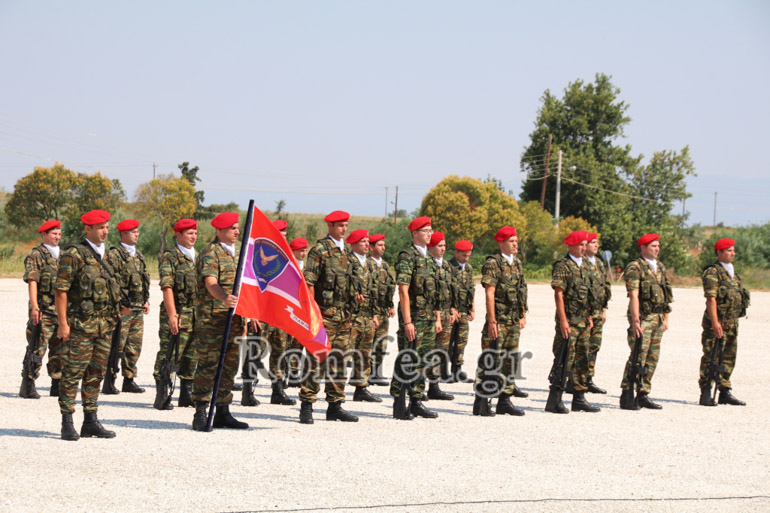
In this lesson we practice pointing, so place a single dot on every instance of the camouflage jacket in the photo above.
(510, 287)
(655, 293)
(575, 281)
(178, 273)
(601, 291)
(41, 266)
(214, 261)
(464, 285)
(386, 287)
(364, 281)
(732, 298)
(132, 274)
(446, 292)
(328, 271)
(419, 273)
(92, 286)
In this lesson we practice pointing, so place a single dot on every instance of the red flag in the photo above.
(273, 289)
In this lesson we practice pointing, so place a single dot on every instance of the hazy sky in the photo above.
(326, 103)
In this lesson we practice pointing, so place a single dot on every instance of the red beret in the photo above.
(95, 217)
(504, 233)
(435, 238)
(724, 244)
(185, 224)
(337, 216)
(357, 235)
(298, 243)
(418, 223)
(225, 220)
(49, 225)
(646, 239)
(127, 225)
(592, 236)
(463, 245)
(576, 237)
(280, 224)
(377, 237)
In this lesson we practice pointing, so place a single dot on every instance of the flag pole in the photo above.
(230, 313)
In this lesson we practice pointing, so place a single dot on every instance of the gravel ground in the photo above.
(682, 458)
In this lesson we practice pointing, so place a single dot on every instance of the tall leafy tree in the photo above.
(166, 199)
(191, 175)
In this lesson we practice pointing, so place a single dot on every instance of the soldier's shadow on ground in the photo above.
(153, 425)
(28, 433)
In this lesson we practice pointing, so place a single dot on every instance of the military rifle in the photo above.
(163, 399)
(30, 358)
(636, 371)
(454, 352)
(400, 410)
(489, 386)
(715, 366)
(108, 387)
(558, 377)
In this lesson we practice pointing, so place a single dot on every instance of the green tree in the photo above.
(43, 194)
(191, 175)
(166, 199)
(91, 192)
(536, 239)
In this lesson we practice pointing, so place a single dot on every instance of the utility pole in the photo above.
(547, 163)
(395, 208)
(386, 202)
(154, 165)
(558, 189)
(715, 209)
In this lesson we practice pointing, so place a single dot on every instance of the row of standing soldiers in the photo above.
(78, 300)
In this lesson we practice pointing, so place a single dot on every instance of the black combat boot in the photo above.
(579, 403)
(27, 389)
(517, 392)
(108, 387)
(162, 400)
(185, 393)
(434, 392)
(506, 407)
(706, 398)
(68, 431)
(593, 389)
(726, 397)
(461, 376)
(377, 378)
(224, 419)
(418, 409)
(55, 387)
(201, 416)
(131, 387)
(92, 427)
(628, 401)
(247, 395)
(481, 407)
(362, 394)
(279, 396)
(554, 404)
(306, 412)
(335, 411)
(644, 402)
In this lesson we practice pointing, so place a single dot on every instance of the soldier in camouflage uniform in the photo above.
(363, 274)
(462, 272)
(131, 270)
(418, 316)
(179, 285)
(648, 307)
(505, 291)
(386, 287)
(40, 268)
(601, 292)
(88, 303)
(445, 302)
(726, 302)
(327, 274)
(571, 283)
(216, 266)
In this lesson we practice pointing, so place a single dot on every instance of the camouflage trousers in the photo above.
(207, 346)
(184, 354)
(577, 356)
(252, 349)
(424, 344)
(462, 338)
(279, 344)
(441, 347)
(84, 357)
(729, 351)
(652, 326)
(131, 333)
(295, 355)
(333, 367)
(381, 339)
(505, 360)
(361, 340)
(48, 341)
(594, 344)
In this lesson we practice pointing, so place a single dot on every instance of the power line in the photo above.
(607, 190)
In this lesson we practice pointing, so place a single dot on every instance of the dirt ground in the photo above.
(682, 458)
